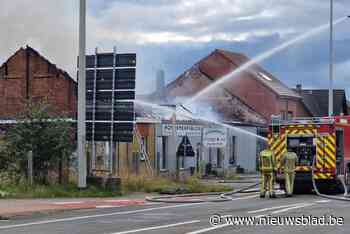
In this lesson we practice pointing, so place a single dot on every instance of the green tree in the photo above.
(49, 136)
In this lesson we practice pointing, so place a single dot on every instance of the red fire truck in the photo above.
(326, 138)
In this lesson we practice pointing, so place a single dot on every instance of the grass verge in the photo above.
(129, 185)
(52, 191)
(164, 185)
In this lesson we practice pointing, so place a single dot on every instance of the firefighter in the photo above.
(289, 160)
(267, 168)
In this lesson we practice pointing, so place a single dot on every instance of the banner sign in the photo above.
(182, 130)
(214, 137)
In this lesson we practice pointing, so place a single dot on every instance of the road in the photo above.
(186, 218)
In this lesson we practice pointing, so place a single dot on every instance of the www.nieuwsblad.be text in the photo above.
(303, 220)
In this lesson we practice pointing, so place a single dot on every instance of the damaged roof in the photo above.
(224, 100)
(157, 113)
(221, 63)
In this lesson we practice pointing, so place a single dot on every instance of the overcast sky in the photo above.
(174, 34)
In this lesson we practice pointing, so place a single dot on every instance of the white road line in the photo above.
(274, 208)
(67, 203)
(292, 208)
(106, 215)
(227, 224)
(322, 201)
(243, 198)
(158, 227)
(106, 206)
(95, 216)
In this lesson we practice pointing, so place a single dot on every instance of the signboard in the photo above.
(110, 91)
(182, 130)
(214, 137)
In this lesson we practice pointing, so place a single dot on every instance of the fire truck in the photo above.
(320, 142)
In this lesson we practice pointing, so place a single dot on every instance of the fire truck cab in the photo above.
(323, 141)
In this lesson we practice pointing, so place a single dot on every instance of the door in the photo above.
(340, 151)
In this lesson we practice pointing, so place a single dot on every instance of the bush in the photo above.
(47, 135)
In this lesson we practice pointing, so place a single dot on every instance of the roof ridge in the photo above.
(228, 58)
(29, 48)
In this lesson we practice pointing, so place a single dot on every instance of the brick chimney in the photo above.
(160, 84)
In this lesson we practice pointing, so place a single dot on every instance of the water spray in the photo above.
(261, 58)
(192, 116)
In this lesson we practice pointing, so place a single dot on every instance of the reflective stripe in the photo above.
(320, 175)
(302, 168)
(290, 159)
(266, 160)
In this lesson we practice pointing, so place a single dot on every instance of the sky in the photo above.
(174, 34)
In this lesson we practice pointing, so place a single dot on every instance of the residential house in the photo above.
(257, 93)
(316, 101)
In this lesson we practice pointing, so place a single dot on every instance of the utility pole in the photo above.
(331, 57)
(30, 167)
(81, 97)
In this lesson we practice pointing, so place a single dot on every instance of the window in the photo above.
(232, 159)
(283, 115)
(163, 159)
(290, 115)
(210, 156)
(219, 157)
(144, 143)
(182, 162)
(264, 76)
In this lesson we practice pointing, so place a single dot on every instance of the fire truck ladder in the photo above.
(143, 150)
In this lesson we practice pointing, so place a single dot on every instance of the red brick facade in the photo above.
(27, 75)
(264, 101)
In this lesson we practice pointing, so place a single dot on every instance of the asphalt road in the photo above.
(187, 218)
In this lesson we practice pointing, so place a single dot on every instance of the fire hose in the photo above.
(220, 197)
(344, 198)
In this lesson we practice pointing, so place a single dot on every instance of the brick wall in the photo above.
(27, 74)
(263, 100)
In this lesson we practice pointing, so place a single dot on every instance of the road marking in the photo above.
(96, 216)
(274, 208)
(106, 215)
(158, 227)
(107, 206)
(67, 203)
(258, 216)
(292, 208)
(243, 198)
(322, 201)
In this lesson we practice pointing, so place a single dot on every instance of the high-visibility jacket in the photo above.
(267, 161)
(290, 160)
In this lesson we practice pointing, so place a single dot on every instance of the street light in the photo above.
(331, 57)
(81, 97)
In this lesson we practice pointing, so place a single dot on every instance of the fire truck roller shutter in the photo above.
(325, 156)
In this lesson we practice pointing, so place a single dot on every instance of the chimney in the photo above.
(298, 88)
(160, 84)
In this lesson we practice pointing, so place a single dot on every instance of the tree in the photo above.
(49, 136)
